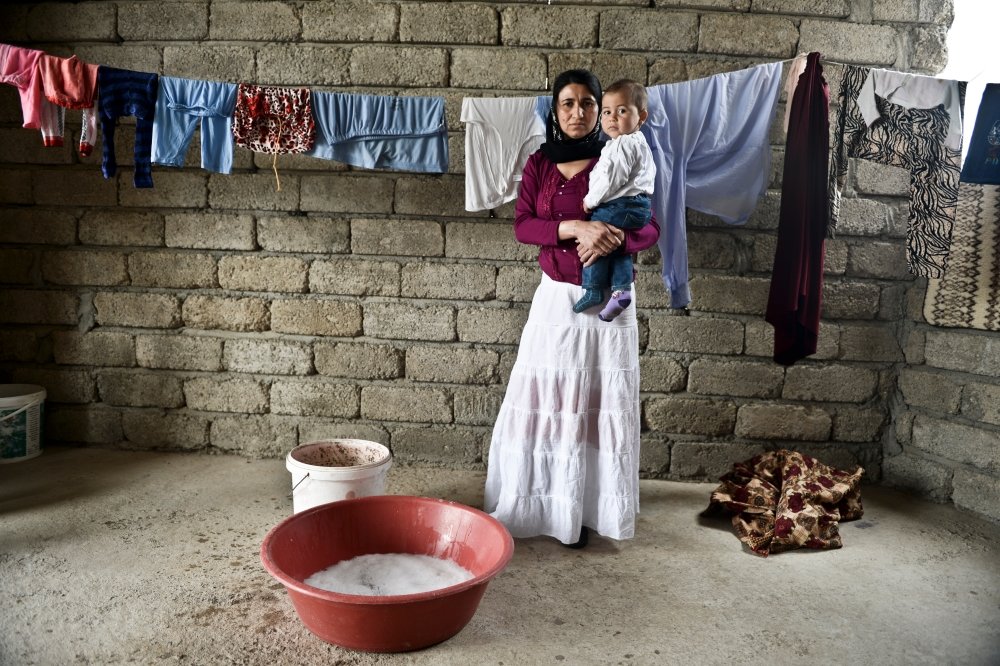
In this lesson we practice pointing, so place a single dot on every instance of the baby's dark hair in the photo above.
(634, 92)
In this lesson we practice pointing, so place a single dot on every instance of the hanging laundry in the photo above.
(782, 500)
(184, 104)
(967, 295)
(122, 92)
(19, 68)
(500, 135)
(381, 131)
(795, 69)
(71, 83)
(907, 121)
(274, 120)
(796, 293)
(710, 141)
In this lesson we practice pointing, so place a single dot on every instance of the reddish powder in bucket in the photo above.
(334, 454)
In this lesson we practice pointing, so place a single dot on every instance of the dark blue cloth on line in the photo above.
(982, 164)
(122, 92)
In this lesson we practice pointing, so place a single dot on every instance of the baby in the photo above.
(621, 184)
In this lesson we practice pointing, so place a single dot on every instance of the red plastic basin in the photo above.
(317, 538)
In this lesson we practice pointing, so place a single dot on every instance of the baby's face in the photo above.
(619, 116)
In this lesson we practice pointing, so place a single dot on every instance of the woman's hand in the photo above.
(596, 239)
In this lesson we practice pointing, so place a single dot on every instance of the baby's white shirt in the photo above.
(624, 169)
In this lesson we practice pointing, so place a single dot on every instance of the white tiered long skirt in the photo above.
(565, 447)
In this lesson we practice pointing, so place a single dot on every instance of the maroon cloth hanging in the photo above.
(796, 295)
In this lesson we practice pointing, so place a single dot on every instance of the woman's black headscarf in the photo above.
(558, 147)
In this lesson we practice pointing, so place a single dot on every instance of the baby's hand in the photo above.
(586, 209)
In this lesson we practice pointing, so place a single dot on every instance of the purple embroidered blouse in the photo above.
(547, 198)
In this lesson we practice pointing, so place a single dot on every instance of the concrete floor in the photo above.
(113, 557)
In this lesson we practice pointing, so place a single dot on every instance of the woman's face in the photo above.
(577, 110)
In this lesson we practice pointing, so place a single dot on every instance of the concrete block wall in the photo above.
(216, 313)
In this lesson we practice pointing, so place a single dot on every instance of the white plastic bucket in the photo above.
(336, 469)
(21, 411)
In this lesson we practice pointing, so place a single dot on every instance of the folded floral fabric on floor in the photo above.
(782, 500)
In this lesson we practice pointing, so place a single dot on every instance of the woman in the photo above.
(565, 450)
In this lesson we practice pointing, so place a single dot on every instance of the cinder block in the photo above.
(708, 249)
(411, 238)
(272, 357)
(360, 361)
(84, 267)
(965, 352)
(350, 21)
(257, 21)
(20, 345)
(304, 234)
(766, 214)
(403, 321)
(872, 259)
(314, 398)
(138, 388)
(517, 283)
(71, 187)
(101, 348)
(88, 425)
(169, 431)
(690, 416)
(695, 334)
(212, 394)
(866, 342)
(253, 273)
(850, 300)
(16, 266)
(317, 430)
(253, 191)
(730, 294)
(661, 374)
(406, 403)
(354, 277)
(225, 313)
(649, 30)
(108, 227)
(437, 446)
(59, 22)
(834, 383)
(937, 11)
(477, 406)
(549, 26)
(179, 352)
(843, 41)
(210, 230)
(918, 475)
(834, 8)
(172, 189)
(316, 317)
(961, 443)
(399, 66)
(858, 424)
(976, 492)
(760, 340)
(880, 179)
(20, 147)
(649, 290)
(750, 379)
(216, 63)
(607, 66)
(448, 281)
(37, 226)
(124, 56)
(139, 21)
(15, 24)
(499, 325)
(486, 241)
(503, 69)
(928, 49)
(708, 461)
(16, 187)
(863, 217)
(448, 23)
(178, 270)
(979, 401)
(254, 436)
(303, 65)
(776, 421)
(744, 34)
(433, 195)
(668, 70)
(142, 310)
(452, 365)
(72, 386)
(338, 193)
